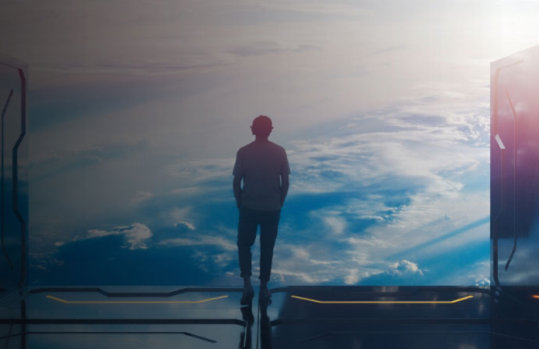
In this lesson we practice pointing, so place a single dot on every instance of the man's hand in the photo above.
(284, 187)
(236, 186)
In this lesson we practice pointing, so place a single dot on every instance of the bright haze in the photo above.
(137, 109)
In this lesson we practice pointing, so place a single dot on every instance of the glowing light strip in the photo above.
(382, 302)
(60, 300)
(536, 296)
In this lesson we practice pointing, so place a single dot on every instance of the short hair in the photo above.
(262, 126)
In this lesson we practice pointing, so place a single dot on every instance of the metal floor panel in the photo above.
(298, 317)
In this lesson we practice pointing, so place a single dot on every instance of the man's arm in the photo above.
(236, 186)
(284, 187)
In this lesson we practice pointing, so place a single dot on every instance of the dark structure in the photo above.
(13, 194)
(514, 161)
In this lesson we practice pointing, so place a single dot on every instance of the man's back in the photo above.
(261, 164)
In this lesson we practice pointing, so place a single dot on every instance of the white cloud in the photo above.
(411, 151)
(258, 48)
(404, 267)
(141, 196)
(295, 276)
(187, 224)
(309, 264)
(223, 259)
(429, 156)
(201, 240)
(178, 216)
(194, 172)
(352, 277)
(336, 225)
(135, 235)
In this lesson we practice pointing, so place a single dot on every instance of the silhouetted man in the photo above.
(263, 168)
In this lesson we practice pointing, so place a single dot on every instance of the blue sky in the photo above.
(137, 110)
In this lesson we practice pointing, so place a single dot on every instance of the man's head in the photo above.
(262, 126)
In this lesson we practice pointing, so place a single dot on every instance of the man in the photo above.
(262, 167)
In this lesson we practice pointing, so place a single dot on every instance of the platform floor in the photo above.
(298, 317)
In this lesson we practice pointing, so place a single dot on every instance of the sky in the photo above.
(137, 108)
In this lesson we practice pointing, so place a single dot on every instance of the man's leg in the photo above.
(268, 234)
(246, 236)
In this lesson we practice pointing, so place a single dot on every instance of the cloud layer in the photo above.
(383, 107)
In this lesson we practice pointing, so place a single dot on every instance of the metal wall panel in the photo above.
(515, 168)
(13, 203)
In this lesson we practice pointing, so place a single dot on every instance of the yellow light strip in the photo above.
(381, 302)
(536, 296)
(60, 300)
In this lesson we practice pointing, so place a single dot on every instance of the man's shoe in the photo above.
(247, 295)
(264, 297)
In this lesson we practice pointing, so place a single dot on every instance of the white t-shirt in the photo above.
(260, 164)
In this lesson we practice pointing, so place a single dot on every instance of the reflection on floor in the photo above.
(298, 317)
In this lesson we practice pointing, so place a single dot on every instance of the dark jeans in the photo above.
(248, 223)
